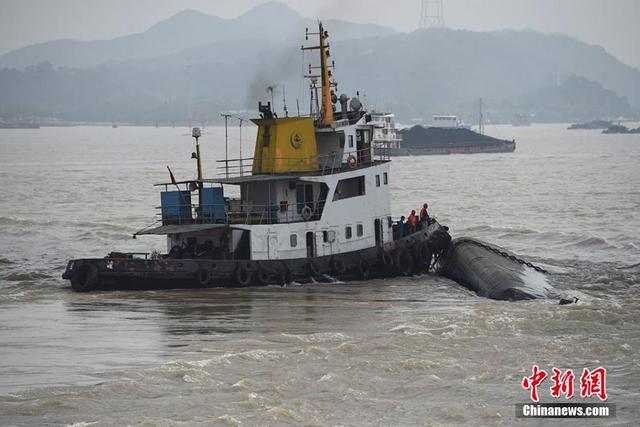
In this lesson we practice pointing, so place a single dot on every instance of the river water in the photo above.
(405, 351)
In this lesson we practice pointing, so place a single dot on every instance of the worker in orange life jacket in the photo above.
(424, 215)
(412, 221)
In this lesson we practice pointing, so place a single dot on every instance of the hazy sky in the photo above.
(614, 24)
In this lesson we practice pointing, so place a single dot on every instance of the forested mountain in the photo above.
(193, 66)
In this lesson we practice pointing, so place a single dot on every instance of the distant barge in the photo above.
(418, 141)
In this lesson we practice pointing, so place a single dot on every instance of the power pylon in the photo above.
(432, 14)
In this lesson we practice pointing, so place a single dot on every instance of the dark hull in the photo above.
(405, 256)
(419, 141)
(507, 147)
(490, 274)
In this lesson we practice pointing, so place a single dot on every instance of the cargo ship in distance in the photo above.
(446, 136)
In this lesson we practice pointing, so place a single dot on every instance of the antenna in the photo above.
(431, 14)
(284, 100)
(196, 134)
(270, 89)
(241, 168)
(480, 118)
(226, 143)
(324, 116)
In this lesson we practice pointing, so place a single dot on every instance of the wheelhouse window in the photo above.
(350, 141)
(293, 240)
(385, 178)
(350, 187)
(377, 180)
(359, 230)
(347, 232)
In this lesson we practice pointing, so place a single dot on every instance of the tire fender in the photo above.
(338, 266)
(242, 275)
(203, 276)
(403, 262)
(84, 278)
(364, 268)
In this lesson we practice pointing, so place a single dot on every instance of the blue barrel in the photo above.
(176, 207)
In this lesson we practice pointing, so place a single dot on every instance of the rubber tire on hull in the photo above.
(403, 262)
(386, 260)
(84, 278)
(286, 276)
(338, 266)
(426, 255)
(314, 268)
(242, 275)
(364, 268)
(203, 277)
(262, 276)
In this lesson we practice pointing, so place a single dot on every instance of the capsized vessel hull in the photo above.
(492, 272)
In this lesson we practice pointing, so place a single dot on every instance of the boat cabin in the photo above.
(313, 187)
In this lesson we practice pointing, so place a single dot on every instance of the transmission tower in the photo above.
(432, 14)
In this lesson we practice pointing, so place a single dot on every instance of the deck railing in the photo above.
(326, 164)
(236, 212)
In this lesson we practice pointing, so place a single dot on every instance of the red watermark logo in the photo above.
(592, 383)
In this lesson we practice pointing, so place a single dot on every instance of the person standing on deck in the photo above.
(424, 215)
(400, 228)
(412, 221)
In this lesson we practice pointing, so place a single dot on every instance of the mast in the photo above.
(196, 133)
(326, 108)
(226, 143)
(480, 118)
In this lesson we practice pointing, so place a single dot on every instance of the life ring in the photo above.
(338, 266)
(314, 268)
(386, 260)
(364, 268)
(352, 162)
(242, 275)
(84, 278)
(403, 262)
(307, 213)
(203, 276)
(262, 276)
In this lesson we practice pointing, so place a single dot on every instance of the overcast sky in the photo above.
(613, 24)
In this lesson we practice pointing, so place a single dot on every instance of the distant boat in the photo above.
(384, 131)
(448, 135)
(448, 122)
(19, 125)
(521, 120)
(418, 141)
(114, 125)
(593, 124)
(620, 129)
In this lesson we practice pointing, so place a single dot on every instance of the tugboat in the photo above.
(314, 203)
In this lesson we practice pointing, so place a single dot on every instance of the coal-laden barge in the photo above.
(314, 202)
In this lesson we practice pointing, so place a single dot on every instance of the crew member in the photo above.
(412, 221)
(424, 215)
(400, 228)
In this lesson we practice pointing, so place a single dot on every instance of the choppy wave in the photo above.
(385, 352)
(26, 276)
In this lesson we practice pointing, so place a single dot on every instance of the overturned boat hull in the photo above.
(492, 272)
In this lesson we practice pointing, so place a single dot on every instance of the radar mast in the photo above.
(326, 110)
